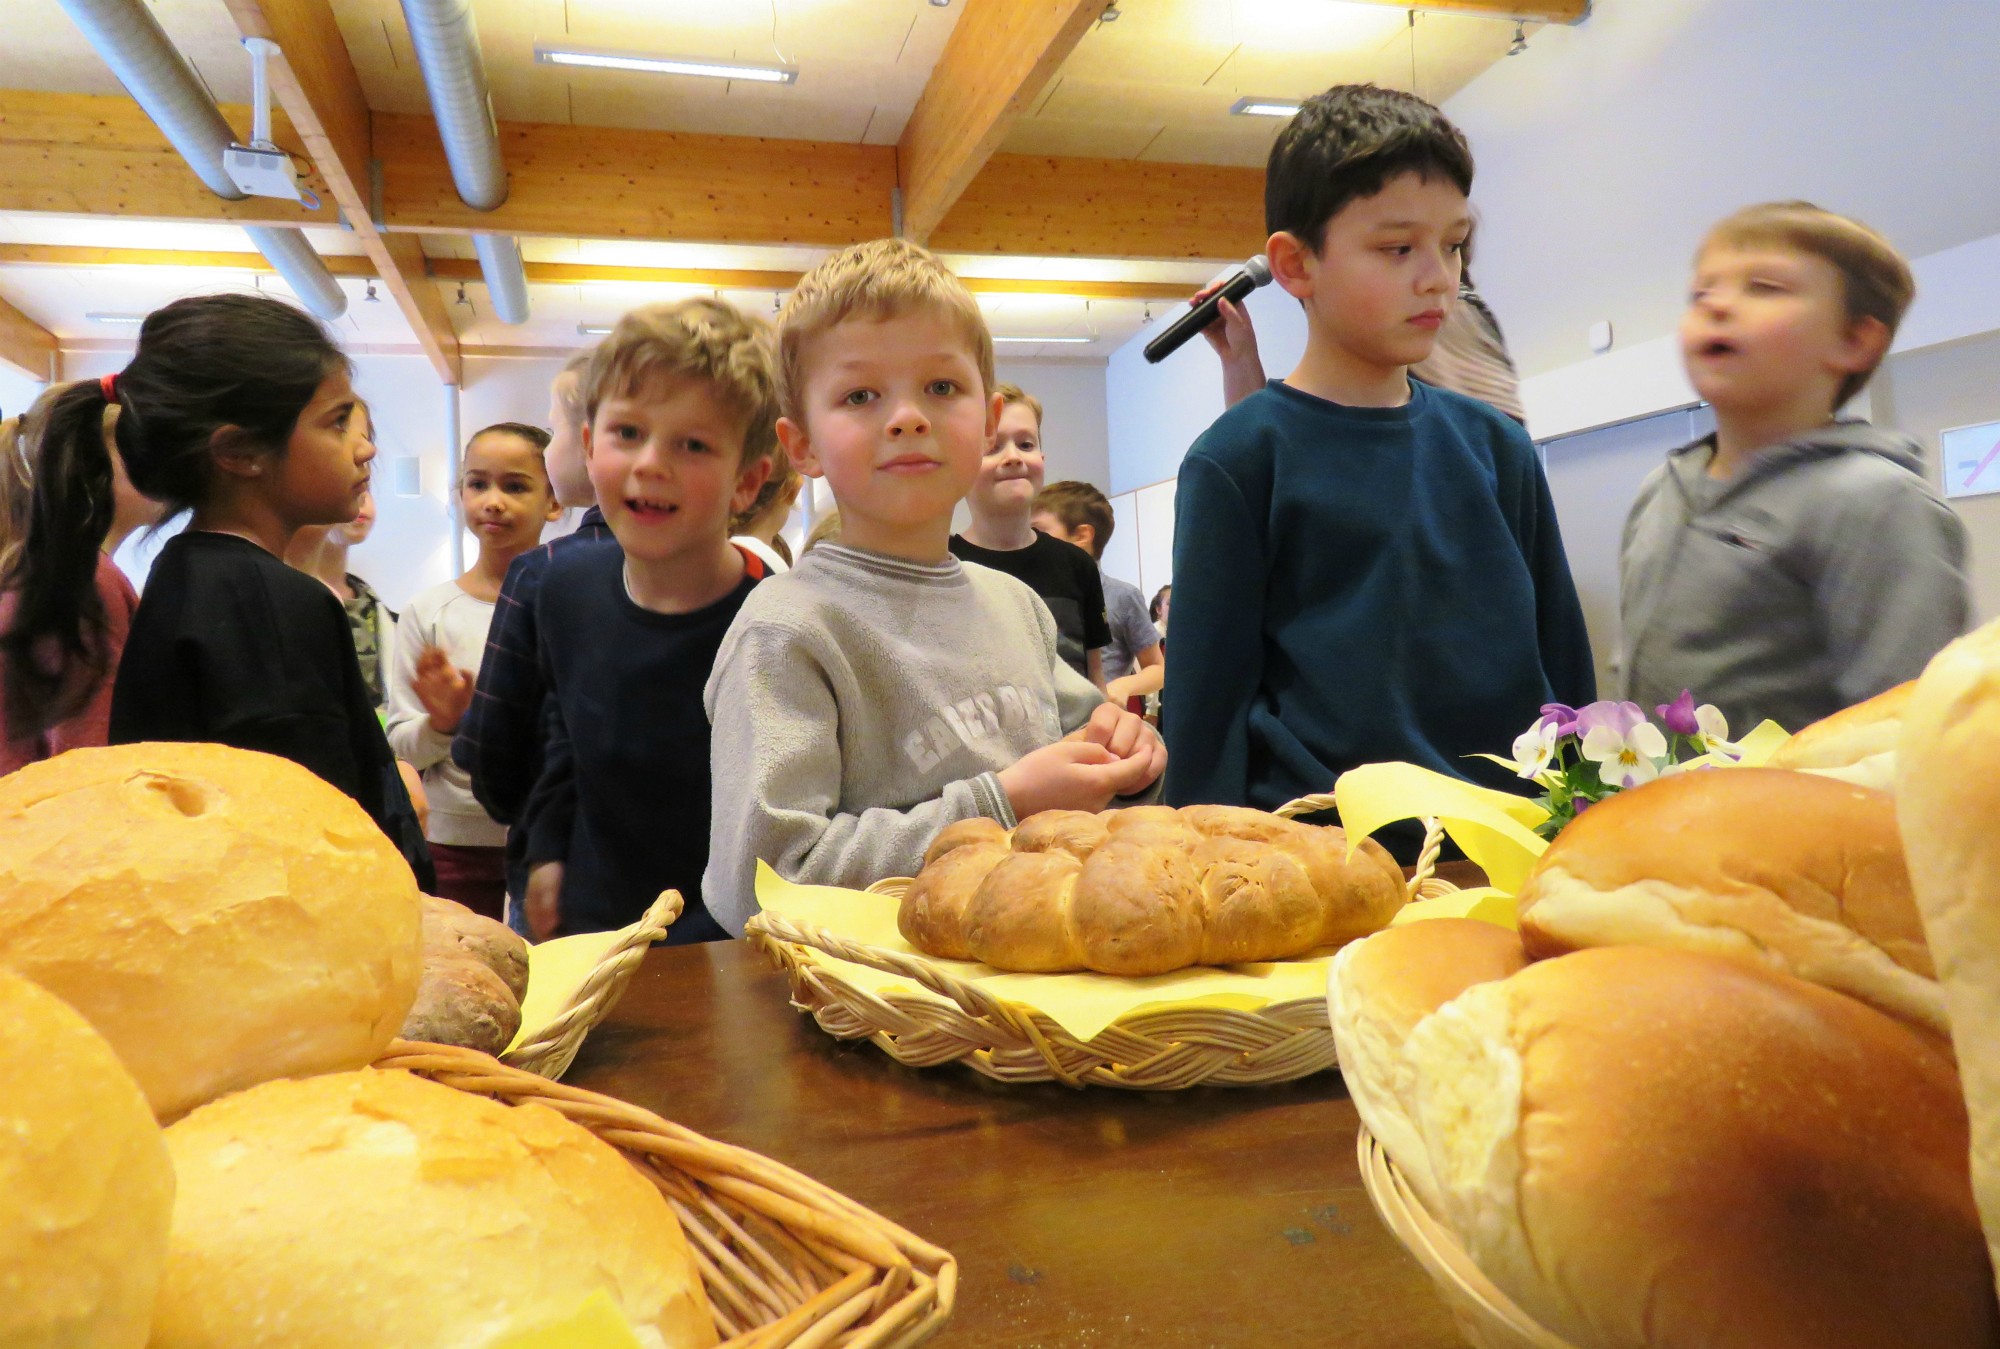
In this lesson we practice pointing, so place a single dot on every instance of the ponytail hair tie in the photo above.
(109, 385)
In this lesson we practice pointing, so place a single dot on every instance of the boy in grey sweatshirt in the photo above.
(883, 689)
(1791, 564)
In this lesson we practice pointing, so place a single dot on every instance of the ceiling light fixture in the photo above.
(371, 297)
(116, 318)
(1111, 14)
(665, 65)
(1520, 40)
(1250, 106)
(1043, 339)
(593, 329)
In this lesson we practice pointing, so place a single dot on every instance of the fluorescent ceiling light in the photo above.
(664, 65)
(1044, 339)
(116, 318)
(593, 329)
(1264, 107)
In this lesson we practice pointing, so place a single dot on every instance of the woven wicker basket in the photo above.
(551, 1049)
(787, 1262)
(1486, 1316)
(955, 1021)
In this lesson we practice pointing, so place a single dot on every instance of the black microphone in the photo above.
(1252, 274)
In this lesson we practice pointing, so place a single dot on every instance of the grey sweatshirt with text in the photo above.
(1824, 572)
(859, 704)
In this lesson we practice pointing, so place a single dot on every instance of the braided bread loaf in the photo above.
(1144, 891)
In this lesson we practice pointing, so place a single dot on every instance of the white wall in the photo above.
(1923, 392)
(1606, 150)
(1156, 411)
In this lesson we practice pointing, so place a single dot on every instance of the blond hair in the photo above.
(881, 279)
(1011, 394)
(825, 529)
(703, 340)
(1875, 280)
(569, 386)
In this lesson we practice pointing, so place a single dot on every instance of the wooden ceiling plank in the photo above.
(28, 346)
(999, 58)
(69, 255)
(315, 81)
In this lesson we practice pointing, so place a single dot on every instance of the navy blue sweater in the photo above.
(623, 797)
(1353, 585)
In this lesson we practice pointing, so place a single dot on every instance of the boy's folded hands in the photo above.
(1113, 754)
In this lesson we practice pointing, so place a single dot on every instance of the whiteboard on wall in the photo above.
(1155, 514)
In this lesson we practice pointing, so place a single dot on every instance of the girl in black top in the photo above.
(238, 410)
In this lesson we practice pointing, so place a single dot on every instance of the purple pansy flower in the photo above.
(1678, 715)
(1562, 716)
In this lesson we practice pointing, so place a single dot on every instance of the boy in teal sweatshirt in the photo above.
(1366, 567)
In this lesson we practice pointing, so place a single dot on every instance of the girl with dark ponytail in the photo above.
(236, 410)
(58, 653)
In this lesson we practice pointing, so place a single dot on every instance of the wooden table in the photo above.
(1211, 1217)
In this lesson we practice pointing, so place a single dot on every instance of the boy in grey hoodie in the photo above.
(1791, 564)
(882, 689)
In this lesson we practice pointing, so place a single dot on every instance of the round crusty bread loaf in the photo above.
(86, 1190)
(1378, 989)
(1791, 870)
(1856, 744)
(1654, 1149)
(1948, 802)
(1144, 891)
(222, 917)
(376, 1208)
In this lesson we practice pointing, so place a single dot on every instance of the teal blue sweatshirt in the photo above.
(1354, 585)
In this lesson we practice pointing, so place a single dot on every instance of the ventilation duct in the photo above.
(133, 44)
(447, 47)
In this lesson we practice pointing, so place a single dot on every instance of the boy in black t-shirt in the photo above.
(1001, 537)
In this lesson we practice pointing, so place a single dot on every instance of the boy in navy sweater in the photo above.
(681, 412)
(1367, 567)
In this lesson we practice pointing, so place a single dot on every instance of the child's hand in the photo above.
(413, 783)
(542, 903)
(1129, 738)
(443, 689)
(1233, 338)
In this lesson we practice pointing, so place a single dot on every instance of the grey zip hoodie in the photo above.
(1824, 572)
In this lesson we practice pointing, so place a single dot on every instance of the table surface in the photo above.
(1216, 1216)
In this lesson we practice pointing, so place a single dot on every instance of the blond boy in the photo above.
(882, 689)
(1793, 562)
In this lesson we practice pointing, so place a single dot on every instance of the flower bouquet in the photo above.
(1579, 756)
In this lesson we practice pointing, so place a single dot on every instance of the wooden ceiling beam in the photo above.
(605, 183)
(315, 82)
(85, 154)
(999, 58)
(28, 346)
(99, 154)
(558, 273)
(1045, 206)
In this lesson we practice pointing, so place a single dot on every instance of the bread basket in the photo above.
(947, 1019)
(785, 1260)
(550, 1048)
(1486, 1317)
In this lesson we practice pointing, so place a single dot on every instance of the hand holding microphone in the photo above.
(1207, 307)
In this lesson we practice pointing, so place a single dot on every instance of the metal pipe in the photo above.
(153, 71)
(446, 42)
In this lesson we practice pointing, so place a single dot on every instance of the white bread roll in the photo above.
(1655, 1149)
(1378, 989)
(86, 1190)
(1949, 805)
(1790, 870)
(377, 1208)
(1857, 744)
(222, 917)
